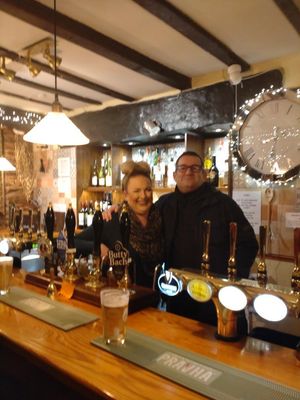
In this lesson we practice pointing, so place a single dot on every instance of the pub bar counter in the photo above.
(39, 361)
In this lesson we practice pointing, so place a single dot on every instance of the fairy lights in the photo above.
(14, 116)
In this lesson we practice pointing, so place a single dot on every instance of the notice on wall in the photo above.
(250, 203)
(292, 220)
(63, 166)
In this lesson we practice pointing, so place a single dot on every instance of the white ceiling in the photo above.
(255, 30)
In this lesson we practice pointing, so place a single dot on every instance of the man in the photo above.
(183, 213)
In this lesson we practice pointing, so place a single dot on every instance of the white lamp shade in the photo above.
(232, 298)
(270, 307)
(56, 129)
(5, 165)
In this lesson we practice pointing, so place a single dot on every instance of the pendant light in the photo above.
(56, 128)
(5, 165)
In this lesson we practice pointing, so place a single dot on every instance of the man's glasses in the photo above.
(183, 168)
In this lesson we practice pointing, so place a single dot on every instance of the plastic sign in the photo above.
(233, 298)
(270, 307)
(199, 290)
(169, 284)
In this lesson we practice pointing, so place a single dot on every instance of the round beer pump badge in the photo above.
(199, 290)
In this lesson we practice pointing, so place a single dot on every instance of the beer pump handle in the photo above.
(232, 250)
(12, 216)
(125, 225)
(38, 228)
(205, 255)
(49, 222)
(30, 214)
(70, 222)
(97, 227)
(296, 271)
(262, 268)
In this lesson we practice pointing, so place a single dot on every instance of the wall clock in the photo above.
(267, 135)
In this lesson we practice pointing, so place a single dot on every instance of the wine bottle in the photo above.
(208, 160)
(94, 177)
(81, 217)
(70, 221)
(49, 222)
(90, 214)
(214, 173)
(101, 176)
(109, 172)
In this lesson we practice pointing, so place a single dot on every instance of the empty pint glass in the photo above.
(6, 265)
(114, 305)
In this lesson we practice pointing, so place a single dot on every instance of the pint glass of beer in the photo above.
(114, 305)
(6, 265)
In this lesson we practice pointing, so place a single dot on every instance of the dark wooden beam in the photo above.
(30, 99)
(41, 16)
(189, 28)
(66, 75)
(291, 11)
(48, 89)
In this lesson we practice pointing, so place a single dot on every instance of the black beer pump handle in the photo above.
(125, 225)
(97, 227)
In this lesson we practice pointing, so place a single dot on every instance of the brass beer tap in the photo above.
(262, 277)
(95, 274)
(232, 260)
(295, 283)
(205, 255)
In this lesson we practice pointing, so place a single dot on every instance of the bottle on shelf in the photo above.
(214, 173)
(207, 164)
(90, 214)
(81, 217)
(108, 171)
(94, 176)
(101, 175)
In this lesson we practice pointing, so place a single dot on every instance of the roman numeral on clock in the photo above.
(260, 164)
(249, 153)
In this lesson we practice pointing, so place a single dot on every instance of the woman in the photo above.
(145, 239)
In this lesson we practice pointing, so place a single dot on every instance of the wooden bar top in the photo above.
(70, 358)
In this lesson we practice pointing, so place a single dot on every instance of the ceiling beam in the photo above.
(66, 76)
(291, 11)
(30, 99)
(48, 89)
(37, 14)
(190, 29)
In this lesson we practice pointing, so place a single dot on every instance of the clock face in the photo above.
(269, 137)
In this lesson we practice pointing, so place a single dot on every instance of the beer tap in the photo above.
(20, 245)
(232, 260)
(29, 232)
(262, 277)
(205, 255)
(38, 228)
(11, 219)
(296, 271)
(95, 272)
(70, 268)
(125, 235)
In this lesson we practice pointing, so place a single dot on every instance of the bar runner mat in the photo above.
(205, 376)
(53, 312)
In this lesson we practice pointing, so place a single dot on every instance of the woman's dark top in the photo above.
(145, 244)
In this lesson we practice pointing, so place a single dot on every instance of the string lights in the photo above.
(13, 116)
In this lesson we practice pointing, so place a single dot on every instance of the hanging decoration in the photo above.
(24, 166)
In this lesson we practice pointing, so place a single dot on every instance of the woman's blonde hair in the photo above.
(131, 168)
